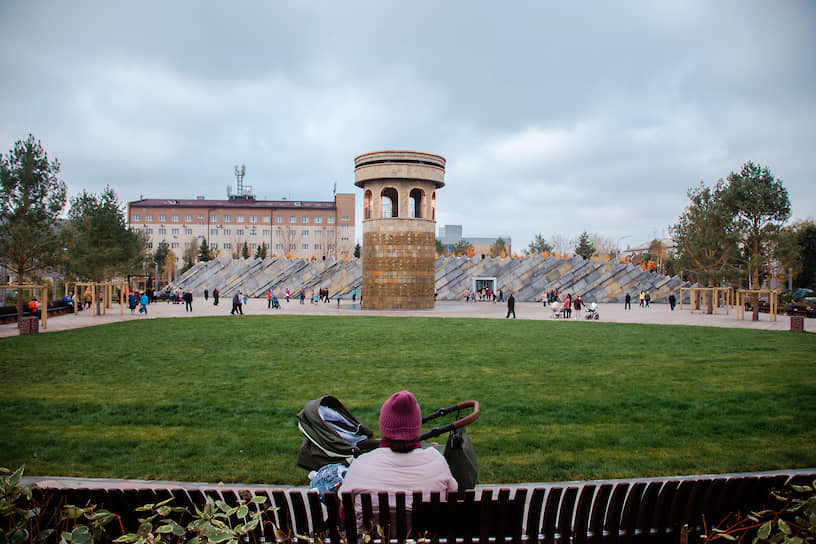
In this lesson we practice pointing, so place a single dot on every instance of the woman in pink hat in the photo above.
(400, 463)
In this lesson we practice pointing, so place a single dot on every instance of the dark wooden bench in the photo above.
(637, 511)
(8, 314)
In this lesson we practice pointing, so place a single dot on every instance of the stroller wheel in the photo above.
(597, 317)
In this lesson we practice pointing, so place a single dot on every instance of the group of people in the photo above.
(571, 302)
(644, 297)
(138, 299)
(485, 294)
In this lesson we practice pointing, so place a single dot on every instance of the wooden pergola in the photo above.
(106, 289)
(43, 296)
(696, 294)
(773, 301)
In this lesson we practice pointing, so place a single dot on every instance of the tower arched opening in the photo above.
(390, 202)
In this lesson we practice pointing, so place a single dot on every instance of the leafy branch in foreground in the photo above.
(794, 522)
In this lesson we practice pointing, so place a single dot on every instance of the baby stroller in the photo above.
(592, 312)
(334, 436)
(557, 311)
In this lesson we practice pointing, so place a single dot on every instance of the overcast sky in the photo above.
(560, 119)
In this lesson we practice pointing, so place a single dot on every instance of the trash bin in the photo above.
(29, 325)
(797, 323)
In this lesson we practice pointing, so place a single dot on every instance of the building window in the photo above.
(344, 237)
(136, 229)
(318, 220)
(213, 246)
(188, 232)
(292, 247)
(331, 221)
(318, 233)
(329, 247)
(200, 236)
(162, 231)
(346, 218)
(279, 247)
(304, 219)
(187, 245)
(239, 232)
(317, 246)
(188, 218)
(148, 218)
(213, 232)
(148, 230)
(200, 217)
(162, 217)
(227, 219)
(252, 232)
(149, 245)
(305, 246)
(305, 233)
(267, 232)
(253, 245)
(174, 245)
(239, 219)
(213, 219)
(226, 232)
(253, 218)
(227, 245)
(136, 217)
(292, 219)
(279, 233)
(266, 219)
(174, 231)
(175, 218)
(278, 218)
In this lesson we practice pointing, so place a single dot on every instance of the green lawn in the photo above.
(214, 398)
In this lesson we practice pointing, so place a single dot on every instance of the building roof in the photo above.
(232, 203)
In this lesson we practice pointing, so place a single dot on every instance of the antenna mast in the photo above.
(241, 191)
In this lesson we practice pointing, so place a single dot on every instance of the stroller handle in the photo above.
(458, 424)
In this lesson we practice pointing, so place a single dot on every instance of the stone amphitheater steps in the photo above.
(594, 280)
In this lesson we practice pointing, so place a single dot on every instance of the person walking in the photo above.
(302, 295)
(287, 294)
(647, 298)
(206, 295)
(245, 299)
(672, 301)
(268, 298)
(216, 294)
(188, 301)
(353, 296)
(236, 304)
(511, 306)
(143, 301)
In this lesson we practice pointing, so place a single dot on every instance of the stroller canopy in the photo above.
(333, 434)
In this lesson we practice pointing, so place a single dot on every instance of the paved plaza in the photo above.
(656, 314)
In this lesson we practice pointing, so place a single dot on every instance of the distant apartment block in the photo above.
(288, 227)
(450, 235)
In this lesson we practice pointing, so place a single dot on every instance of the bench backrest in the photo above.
(623, 511)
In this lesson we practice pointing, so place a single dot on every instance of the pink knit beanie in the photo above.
(400, 418)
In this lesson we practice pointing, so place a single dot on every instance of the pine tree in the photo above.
(585, 247)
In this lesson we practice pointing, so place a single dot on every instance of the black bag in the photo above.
(461, 458)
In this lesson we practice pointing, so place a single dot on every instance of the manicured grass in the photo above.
(215, 398)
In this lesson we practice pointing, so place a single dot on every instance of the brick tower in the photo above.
(399, 227)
